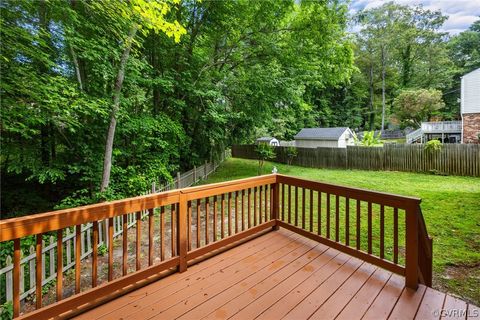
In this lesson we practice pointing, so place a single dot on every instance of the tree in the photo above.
(142, 14)
(414, 106)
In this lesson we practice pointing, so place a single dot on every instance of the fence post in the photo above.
(274, 203)
(182, 233)
(411, 247)
(179, 180)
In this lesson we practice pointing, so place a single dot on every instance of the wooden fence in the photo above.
(452, 159)
(27, 263)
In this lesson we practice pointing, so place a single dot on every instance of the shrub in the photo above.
(369, 139)
(292, 153)
(433, 146)
(264, 152)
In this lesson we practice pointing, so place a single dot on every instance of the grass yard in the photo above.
(450, 205)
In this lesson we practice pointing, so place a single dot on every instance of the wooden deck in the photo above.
(283, 275)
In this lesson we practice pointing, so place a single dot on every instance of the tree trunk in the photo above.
(372, 113)
(383, 87)
(107, 160)
(77, 67)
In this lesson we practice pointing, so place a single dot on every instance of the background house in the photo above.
(470, 107)
(339, 137)
(270, 140)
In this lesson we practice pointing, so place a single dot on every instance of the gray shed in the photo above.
(339, 137)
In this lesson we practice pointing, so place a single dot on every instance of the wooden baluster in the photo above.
(125, 244)
(304, 217)
(189, 222)
(311, 210)
(249, 206)
(162, 233)
(266, 203)
(243, 193)
(94, 254)
(260, 205)
(229, 214)
(382, 232)
(296, 206)
(138, 242)
(395, 235)
(358, 224)
(199, 222)
(222, 215)
(283, 202)
(337, 218)
(16, 277)
(110, 249)
(319, 213)
(150, 237)
(38, 270)
(275, 203)
(59, 265)
(369, 227)
(173, 216)
(207, 213)
(328, 215)
(255, 212)
(347, 221)
(215, 227)
(289, 204)
(236, 211)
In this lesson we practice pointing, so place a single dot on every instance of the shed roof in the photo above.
(321, 133)
(265, 139)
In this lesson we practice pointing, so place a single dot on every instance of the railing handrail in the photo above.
(401, 202)
(50, 221)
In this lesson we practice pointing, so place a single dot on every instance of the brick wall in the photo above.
(471, 127)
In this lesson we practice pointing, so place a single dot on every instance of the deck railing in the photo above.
(187, 225)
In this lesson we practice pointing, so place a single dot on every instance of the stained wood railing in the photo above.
(184, 226)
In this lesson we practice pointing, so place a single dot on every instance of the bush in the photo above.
(264, 152)
(292, 153)
(369, 139)
(433, 146)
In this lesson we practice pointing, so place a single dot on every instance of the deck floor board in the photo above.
(281, 275)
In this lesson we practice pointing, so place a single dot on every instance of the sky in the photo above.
(461, 13)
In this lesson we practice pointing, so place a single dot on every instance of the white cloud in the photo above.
(461, 13)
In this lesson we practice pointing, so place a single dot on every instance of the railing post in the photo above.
(179, 180)
(182, 232)
(275, 203)
(411, 250)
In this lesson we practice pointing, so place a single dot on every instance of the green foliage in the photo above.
(414, 106)
(264, 152)
(292, 153)
(201, 75)
(433, 146)
(102, 249)
(369, 139)
(6, 311)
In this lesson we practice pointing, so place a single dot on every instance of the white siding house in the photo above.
(470, 107)
(339, 137)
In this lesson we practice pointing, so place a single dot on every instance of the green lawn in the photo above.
(450, 205)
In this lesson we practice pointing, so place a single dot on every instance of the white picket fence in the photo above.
(27, 264)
